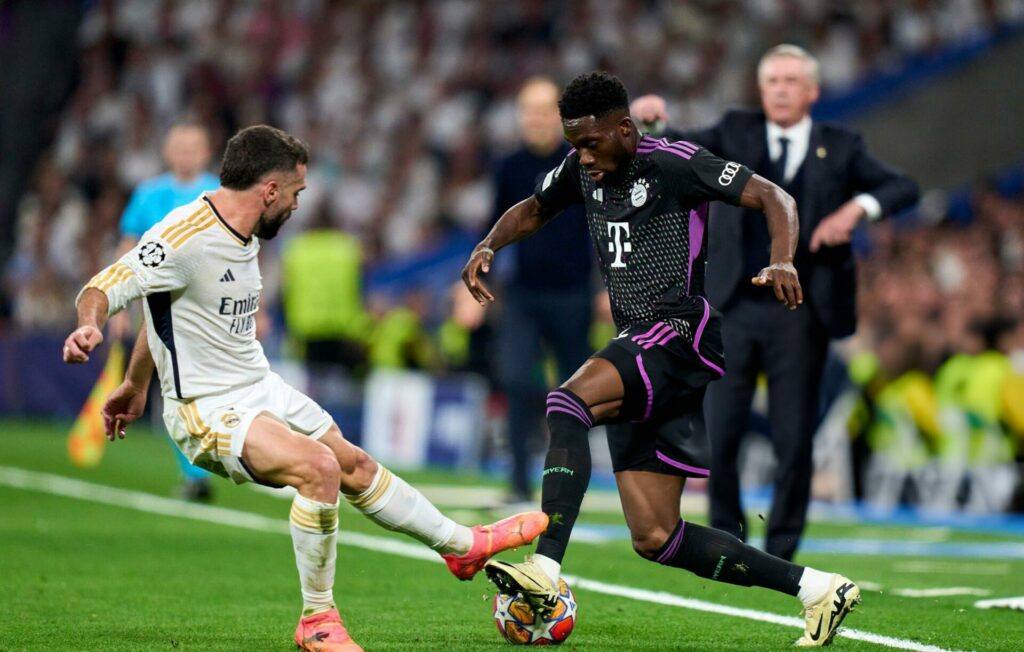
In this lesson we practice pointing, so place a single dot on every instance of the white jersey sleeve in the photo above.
(162, 261)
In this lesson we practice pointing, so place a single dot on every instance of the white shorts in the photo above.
(210, 431)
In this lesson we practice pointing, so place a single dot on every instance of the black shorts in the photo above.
(660, 426)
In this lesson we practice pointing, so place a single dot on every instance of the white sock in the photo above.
(550, 567)
(392, 503)
(314, 527)
(813, 586)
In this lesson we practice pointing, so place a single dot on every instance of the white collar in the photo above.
(799, 136)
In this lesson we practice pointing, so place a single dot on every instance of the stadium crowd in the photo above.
(939, 353)
(406, 104)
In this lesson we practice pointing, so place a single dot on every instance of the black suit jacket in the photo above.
(837, 167)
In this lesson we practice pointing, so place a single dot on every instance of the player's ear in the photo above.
(626, 127)
(271, 190)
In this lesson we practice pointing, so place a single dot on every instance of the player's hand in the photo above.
(651, 111)
(783, 278)
(837, 228)
(479, 262)
(124, 405)
(81, 343)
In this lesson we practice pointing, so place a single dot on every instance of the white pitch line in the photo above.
(1001, 603)
(143, 502)
(964, 567)
(940, 592)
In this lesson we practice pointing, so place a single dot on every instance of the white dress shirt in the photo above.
(799, 136)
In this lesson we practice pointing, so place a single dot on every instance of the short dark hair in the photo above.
(255, 151)
(595, 93)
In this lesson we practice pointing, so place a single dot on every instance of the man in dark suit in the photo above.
(547, 300)
(836, 183)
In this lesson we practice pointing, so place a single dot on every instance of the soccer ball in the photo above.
(519, 626)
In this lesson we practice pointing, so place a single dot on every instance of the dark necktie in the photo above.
(780, 163)
(757, 242)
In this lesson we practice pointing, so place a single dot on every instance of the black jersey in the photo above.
(650, 227)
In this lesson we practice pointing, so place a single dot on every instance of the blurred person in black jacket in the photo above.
(836, 183)
(547, 306)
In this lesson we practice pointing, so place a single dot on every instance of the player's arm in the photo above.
(92, 315)
(784, 227)
(706, 177)
(126, 403)
(104, 295)
(558, 190)
(518, 222)
(153, 265)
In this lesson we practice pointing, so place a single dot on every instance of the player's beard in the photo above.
(267, 226)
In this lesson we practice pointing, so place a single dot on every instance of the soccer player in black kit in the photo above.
(646, 202)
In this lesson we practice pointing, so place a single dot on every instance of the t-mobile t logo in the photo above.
(618, 231)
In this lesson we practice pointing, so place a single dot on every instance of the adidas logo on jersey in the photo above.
(228, 276)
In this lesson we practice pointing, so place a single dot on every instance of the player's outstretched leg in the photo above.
(489, 540)
(650, 502)
(392, 503)
(717, 555)
(567, 469)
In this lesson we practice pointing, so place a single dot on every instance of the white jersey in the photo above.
(201, 282)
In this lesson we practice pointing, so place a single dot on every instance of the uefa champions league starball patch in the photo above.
(152, 254)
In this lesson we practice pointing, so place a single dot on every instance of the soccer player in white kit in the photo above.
(198, 274)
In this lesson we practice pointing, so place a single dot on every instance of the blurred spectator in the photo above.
(547, 302)
(44, 272)
(186, 151)
(400, 339)
(322, 296)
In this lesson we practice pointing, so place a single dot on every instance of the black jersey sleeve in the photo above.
(560, 188)
(705, 177)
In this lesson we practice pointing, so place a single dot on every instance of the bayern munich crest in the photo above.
(639, 193)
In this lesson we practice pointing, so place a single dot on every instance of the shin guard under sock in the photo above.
(566, 469)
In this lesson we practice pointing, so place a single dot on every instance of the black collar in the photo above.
(227, 226)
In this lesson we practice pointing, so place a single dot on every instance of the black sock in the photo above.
(566, 469)
(720, 556)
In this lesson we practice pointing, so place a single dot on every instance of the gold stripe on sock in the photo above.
(326, 518)
(323, 523)
(308, 525)
(365, 500)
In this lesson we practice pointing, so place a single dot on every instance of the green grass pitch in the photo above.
(82, 574)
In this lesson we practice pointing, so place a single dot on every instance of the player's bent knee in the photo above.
(323, 468)
(649, 543)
